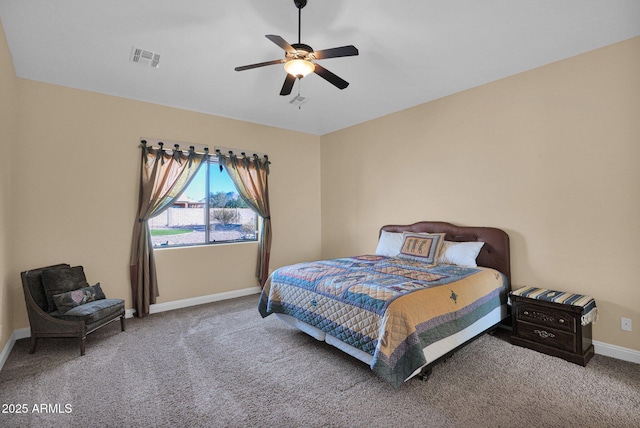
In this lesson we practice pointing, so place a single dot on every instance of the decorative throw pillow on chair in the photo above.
(71, 299)
(61, 280)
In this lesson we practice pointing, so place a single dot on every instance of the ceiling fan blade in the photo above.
(288, 84)
(281, 42)
(330, 77)
(336, 52)
(260, 64)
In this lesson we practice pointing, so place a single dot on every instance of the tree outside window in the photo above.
(210, 211)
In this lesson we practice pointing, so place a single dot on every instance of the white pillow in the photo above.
(389, 244)
(460, 253)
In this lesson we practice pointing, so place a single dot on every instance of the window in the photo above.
(209, 211)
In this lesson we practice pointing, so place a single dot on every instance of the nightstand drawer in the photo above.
(547, 336)
(547, 317)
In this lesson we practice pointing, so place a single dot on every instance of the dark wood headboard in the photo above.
(494, 254)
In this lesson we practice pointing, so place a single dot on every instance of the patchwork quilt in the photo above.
(388, 307)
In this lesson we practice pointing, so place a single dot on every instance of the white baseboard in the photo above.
(24, 333)
(185, 303)
(194, 301)
(21, 333)
(617, 352)
(600, 348)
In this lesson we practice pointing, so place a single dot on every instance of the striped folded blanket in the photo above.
(588, 304)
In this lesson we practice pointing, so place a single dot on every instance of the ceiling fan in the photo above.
(299, 59)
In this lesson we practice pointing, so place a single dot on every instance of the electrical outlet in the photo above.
(625, 324)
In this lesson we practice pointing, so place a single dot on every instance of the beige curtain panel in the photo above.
(249, 174)
(163, 177)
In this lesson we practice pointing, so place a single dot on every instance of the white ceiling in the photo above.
(411, 51)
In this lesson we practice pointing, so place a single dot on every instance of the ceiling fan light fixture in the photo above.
(299, 67)
(298, 59)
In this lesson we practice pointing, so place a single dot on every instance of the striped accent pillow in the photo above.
(422, 247)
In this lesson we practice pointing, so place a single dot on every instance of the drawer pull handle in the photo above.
(526, 312)
(544, 334)
(561, 321)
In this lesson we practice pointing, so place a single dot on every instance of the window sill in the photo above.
(217, 244)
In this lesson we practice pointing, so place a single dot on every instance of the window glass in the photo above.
(209, 211)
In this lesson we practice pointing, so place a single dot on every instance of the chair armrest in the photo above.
(41, 322)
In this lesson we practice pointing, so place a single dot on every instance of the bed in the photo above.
(429, 289)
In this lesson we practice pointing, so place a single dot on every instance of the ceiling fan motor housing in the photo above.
(302, 51)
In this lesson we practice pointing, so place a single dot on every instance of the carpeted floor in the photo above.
(220, 364)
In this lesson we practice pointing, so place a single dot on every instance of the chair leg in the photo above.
(34, 341)
(83, 340)
(122, 323)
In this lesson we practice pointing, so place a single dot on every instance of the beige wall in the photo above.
(550, 155)
(75, 177)
(8, 137)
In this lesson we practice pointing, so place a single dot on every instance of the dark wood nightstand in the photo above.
(552, 327)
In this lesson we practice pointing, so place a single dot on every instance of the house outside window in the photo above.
(209, 211)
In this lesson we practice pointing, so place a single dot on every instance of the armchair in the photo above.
(60, 303)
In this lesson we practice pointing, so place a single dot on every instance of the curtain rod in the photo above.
(247, 153)
(201, 148)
